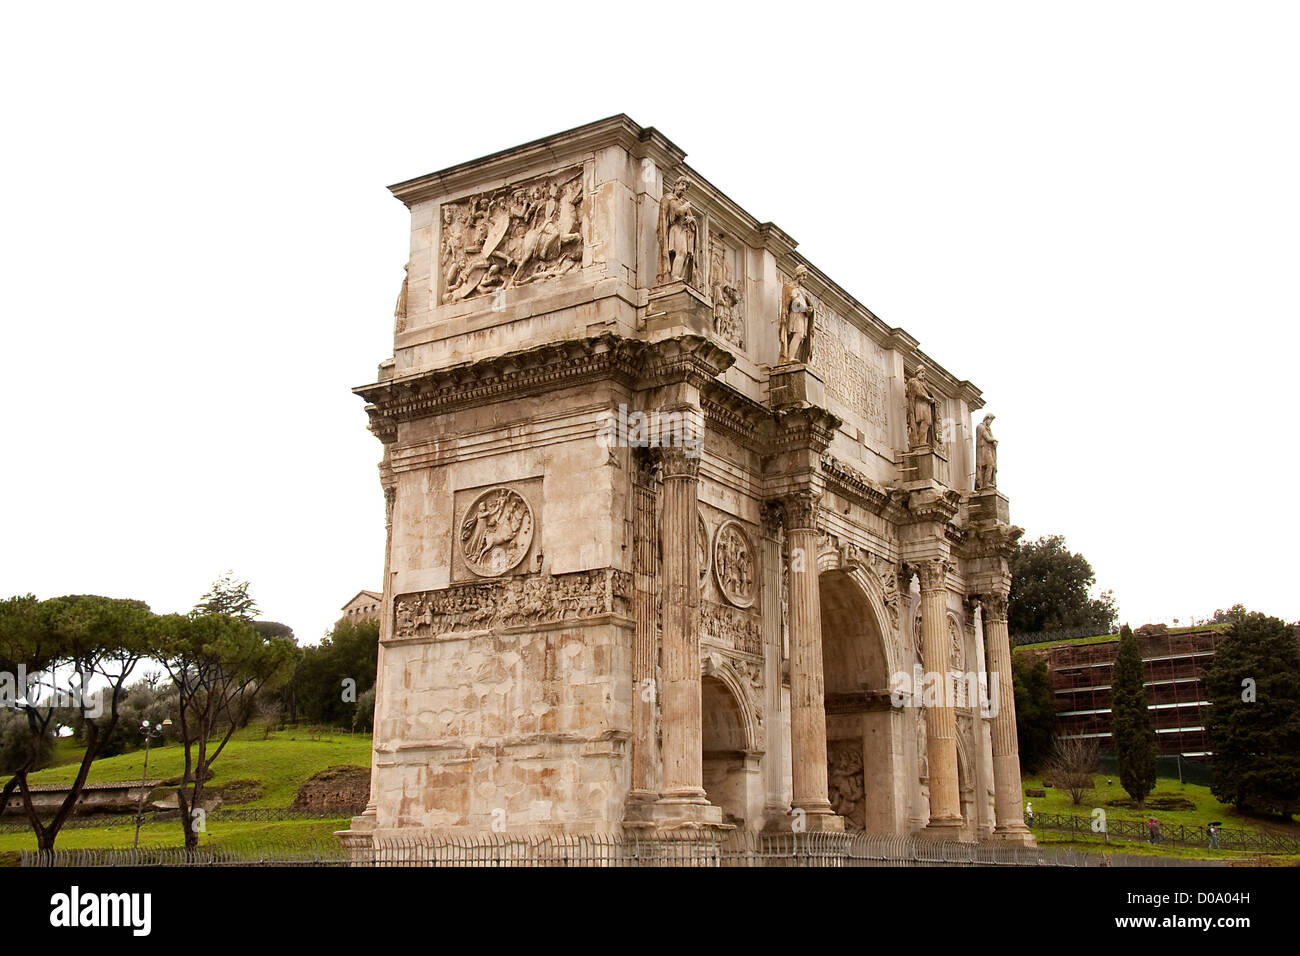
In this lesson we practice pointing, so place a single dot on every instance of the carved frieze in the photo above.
(851, 368)
(734, 565)
(887, 576)
(730, 627)
(728, 300)
(512, 236)
(496, 532)
(518, 601)
(845, 783)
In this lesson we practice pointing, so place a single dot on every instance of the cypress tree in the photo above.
(1135, 742)
(1254, 723)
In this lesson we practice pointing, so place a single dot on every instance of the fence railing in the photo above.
(735, 849)
(1177, 834)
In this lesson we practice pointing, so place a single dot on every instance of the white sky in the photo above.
(1089, 210)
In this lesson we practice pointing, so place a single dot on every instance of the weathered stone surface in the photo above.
(664, 502)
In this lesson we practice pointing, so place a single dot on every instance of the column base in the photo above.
(681, 810)
(1013, 833)
(944, 828)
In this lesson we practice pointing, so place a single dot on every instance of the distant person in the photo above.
(1153, 828)
(1029, 814)
(1214, 836)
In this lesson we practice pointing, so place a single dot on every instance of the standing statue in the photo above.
(399, 313)
(678, 235)
(920, 410)
(797, 320)
(986, 455)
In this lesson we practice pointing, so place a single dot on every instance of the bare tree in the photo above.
(1072, 765)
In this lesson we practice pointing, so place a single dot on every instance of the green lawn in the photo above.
(1205, 806)
(280, 763)
(220, 833)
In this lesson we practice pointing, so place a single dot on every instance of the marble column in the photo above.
(369, 817)
(1008, 807)
(807, 681)
(680, 700)
(776, 808)
(645, 574)
(940, 716)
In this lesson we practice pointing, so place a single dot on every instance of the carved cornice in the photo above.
(804, 428)
(933, 573)
(741, 419)
(935, 505)
(852, 484)
(993, 540)
(514, 374)
(692, 359)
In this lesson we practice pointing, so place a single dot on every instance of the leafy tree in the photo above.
(1231, 616)
(349, 652)
(1254, 723)
(228, 596)
(63, 645)
(218, 664)
(364, 719)
(1035, 709)
(1050, 589)
(1135, 741)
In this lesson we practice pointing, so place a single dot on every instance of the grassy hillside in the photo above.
(281, 762)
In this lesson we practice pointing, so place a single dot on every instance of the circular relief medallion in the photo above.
(496, 532)
(734, 565)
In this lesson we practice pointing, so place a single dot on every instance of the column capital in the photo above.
(773, 518)
(800, 508)
(933, 573)
(995, 606)
(677, 461)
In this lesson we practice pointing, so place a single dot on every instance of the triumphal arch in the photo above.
(680, 534)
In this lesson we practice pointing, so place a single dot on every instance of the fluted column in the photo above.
(1008, 807)
(940, 717)
(645, 574)
(389, 483)
(807, 681)
(777, 757)
(682, 734)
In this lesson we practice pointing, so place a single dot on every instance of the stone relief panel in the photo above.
(730, 627)
(734, 564)
(512, 236)
(514, 602)
(853, 369)
(496, 530)
(728, 301)
(846, 785)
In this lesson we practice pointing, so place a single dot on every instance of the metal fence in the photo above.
(735, 849)
(1230, 838)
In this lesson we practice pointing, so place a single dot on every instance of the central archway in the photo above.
(864, 733)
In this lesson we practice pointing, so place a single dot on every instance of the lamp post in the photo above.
(149, 732)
